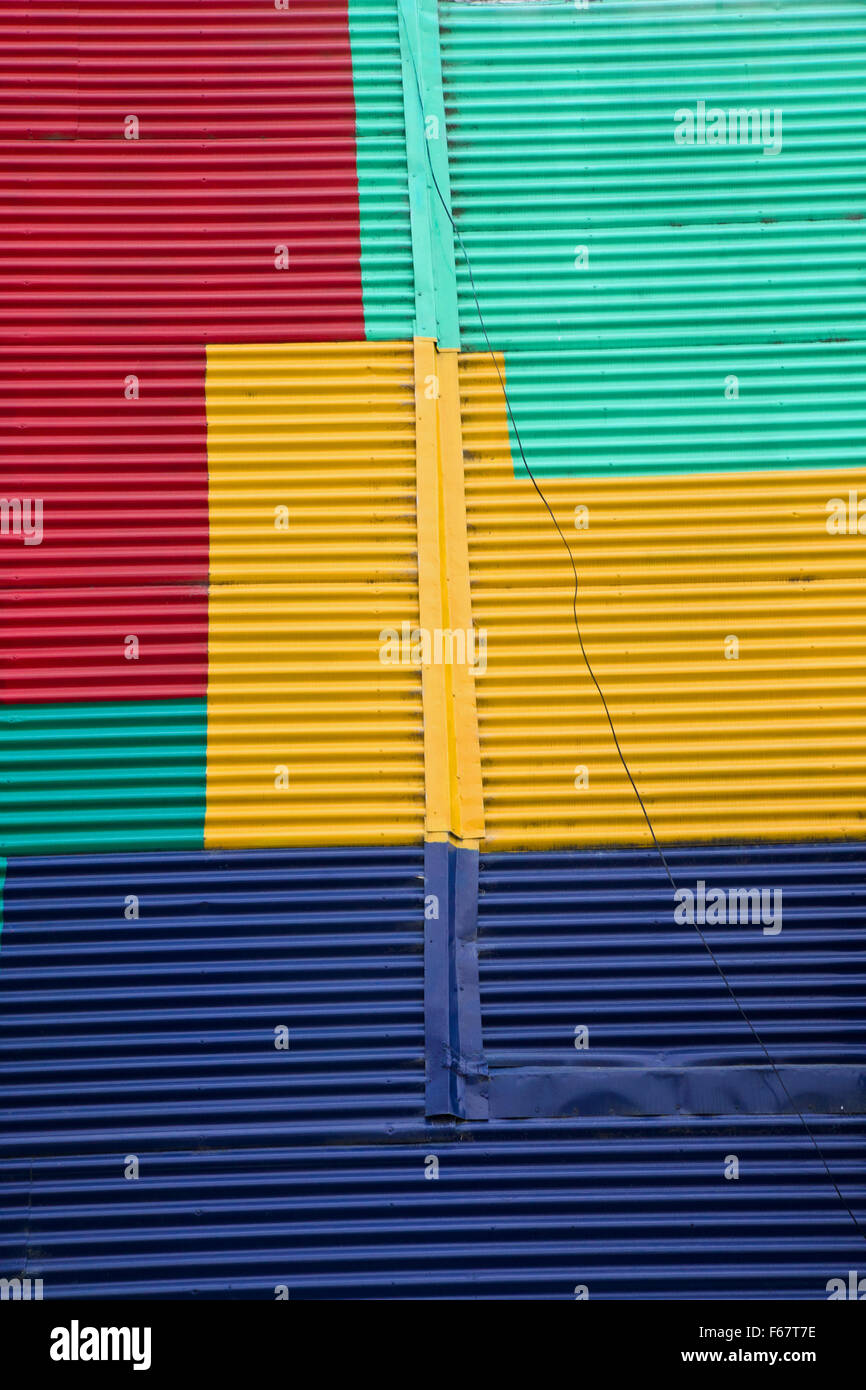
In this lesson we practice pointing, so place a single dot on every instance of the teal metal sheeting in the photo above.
(387, 273)
(702, 263)
(127, 774)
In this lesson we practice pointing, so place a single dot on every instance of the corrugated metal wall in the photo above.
(123, 488)
(175, 176)
(387, 271)
(314, 554)
(245, 141)
(628, 1209)
(767, 742)
(627, 277)
(140, 1033)
(123, 257)
(588, 938)
(113, 775)
(662, 311)
(260, 217)
(306, 1167)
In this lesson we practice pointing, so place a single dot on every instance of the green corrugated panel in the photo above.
(383, 181)
(703, 262)
(104, 776)
(645, 410)
(436, 313)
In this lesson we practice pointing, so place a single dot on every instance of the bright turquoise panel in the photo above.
(629, 276)
(387, 278)
(103, 776)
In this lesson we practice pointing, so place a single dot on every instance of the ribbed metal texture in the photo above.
(245, 141)
(123, 550)
(628, 1209)
(762, 739)
(589, 939)
(387, 272)
(159, 1031)
(111, 775)
(123, 481)
(59, 644)
(299, 599)
(232, 215)
(627, 278)
(155, 1038)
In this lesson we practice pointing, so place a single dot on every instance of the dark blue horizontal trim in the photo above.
(524, 1092)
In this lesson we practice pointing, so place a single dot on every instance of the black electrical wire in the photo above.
(801, 1117)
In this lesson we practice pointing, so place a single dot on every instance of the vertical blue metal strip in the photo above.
(456, 1073)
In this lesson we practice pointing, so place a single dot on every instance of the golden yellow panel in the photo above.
(313, 738)
(725, 619)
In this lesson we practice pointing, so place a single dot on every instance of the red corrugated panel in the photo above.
(246, 142)
(123, 481)
(38, 72)
(123, 257)
(72, 644)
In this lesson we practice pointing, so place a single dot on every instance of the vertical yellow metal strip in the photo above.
(451, 747)
(436, 740)
(467, 794)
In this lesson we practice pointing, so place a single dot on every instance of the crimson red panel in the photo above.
(38, 70)
(122, 258)
(123, 481)
(74, 644)
(246, 142)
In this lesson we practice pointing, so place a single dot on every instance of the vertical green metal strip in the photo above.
(432, 234)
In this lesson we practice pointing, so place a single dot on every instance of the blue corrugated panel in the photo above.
(154, 1038)
(160, 1031)
(631, 1209)
(589, 939)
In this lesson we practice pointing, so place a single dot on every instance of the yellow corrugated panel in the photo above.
(772, 744)
(299, 596)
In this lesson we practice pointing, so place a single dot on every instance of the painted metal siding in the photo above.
(60, 644)
(632, 1210)
(589, 939)
(124, 544)
(770, 744)
(120, 259)
(159, 1031)
(296, 676)
(140, 994)
(306, 1167)
(117, 775)
(627, 278)
(246, 141)
(387, 270)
